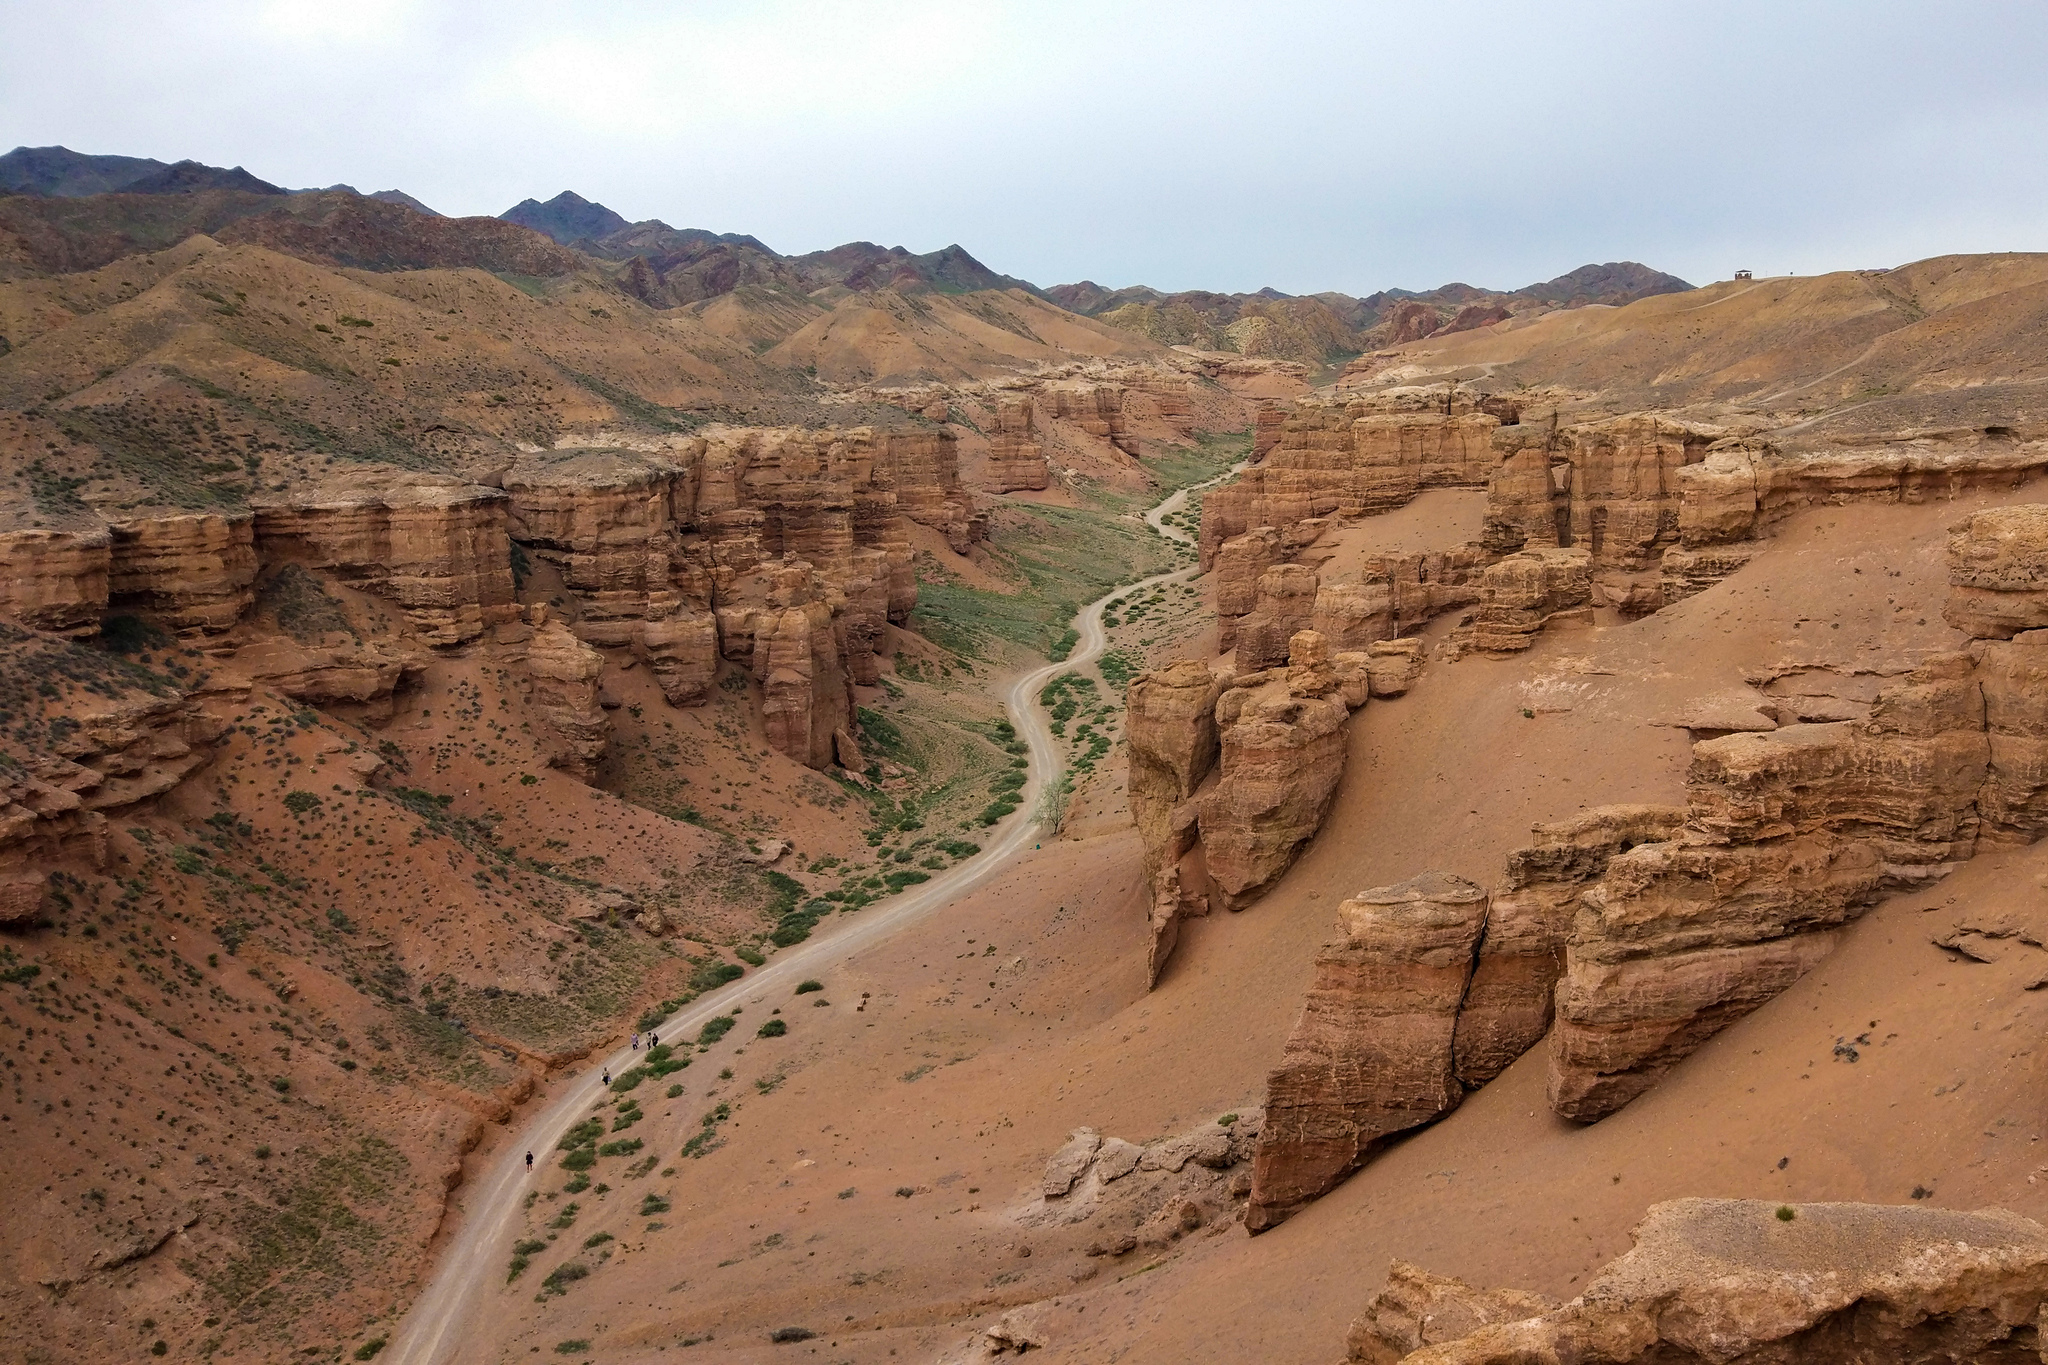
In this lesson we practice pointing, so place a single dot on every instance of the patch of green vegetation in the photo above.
(312, 1241)
(773, 1028)
(1060, 556)
(299, 602)
(639, 409)
(714, 1029)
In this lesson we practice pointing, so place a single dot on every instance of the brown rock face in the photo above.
(193, 572)
(1507, 1006)
(1998, 573)
(1732, 1280)
(1371, 1054)
(1281, 757)
(1239, 564)
(1789, 835)
(365, 675)
(565, 672)
(1286, 602)
(1367, 455)
(1524, 593)
(435, 546)
(1418, 1309)
(55, 580)
(1610, 488)
(1015, 458)
(682, 649)
(606, 520)
(1170, 731)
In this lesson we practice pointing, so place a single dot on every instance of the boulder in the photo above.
(1524, 593)
(1372, 1053)
(1285, 603)
(1392, 666)
(1417, 1309)
(1069, 1163)
(682, 651)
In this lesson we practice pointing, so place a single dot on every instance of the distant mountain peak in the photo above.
(568, 217)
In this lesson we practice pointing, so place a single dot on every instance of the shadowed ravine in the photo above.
(435, 1326)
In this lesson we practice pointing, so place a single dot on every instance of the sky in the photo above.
(1312, 146)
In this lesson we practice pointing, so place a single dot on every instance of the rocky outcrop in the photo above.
(192, 572)
(1611, 488)
(1507, 1006)
(1998, 572)
(565, 671)
(55, 580)
(1281, 754)
(1415, 1309)
(1149, 1195)
(1015, 458)
(606, 520)
(1286, 601)
(1348, 459)
(1238, 565)
(1371, 1054)
(1741, 1280)
(1170, 733)
(1524, 593)
(365, 676)
(434, 545)
(682, 651)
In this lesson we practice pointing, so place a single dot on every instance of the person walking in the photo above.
(529, 1163)
(636, 1042)
(607, 1075)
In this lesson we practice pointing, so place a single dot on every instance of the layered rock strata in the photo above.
(565, 671)
(1348, 459)
(56, 580)
(1372, 1053)
(1281, 753)
(193, 572)
(1015, 458)
(1525, 593)
(1741, 1280)
(435, 546)
(1230, 777)
(1507, 1005)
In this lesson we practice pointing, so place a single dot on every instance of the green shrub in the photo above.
(714, 1029)
(188, 860)
(675, 1092)
(774, 1028)
(908, 876)
(301, 802)
(574, 1345)
(628, 1079)
(596, 1239)
(652, 1205)
(367, 1351)
(622, 1147)
(564, 1275)
(711, 975)
(580, 1159)
(583, 1133)
(806, 987)
(753, 957)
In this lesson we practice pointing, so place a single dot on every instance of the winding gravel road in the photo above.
(436, 1326)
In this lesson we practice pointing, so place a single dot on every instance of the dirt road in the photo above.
(434, 1328)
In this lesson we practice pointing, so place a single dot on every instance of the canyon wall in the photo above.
(1630, 935)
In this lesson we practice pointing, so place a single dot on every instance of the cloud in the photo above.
(1308, 146)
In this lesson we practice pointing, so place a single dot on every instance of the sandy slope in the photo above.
(966, 1068)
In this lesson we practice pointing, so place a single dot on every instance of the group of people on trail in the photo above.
(653, 1041)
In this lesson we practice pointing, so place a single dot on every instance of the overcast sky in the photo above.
(1183, 145)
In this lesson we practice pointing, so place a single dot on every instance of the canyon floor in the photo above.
(874, 1176)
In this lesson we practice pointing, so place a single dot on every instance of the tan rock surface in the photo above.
(1747, 1280)
(193, 571)
(55, 580)
(1280, 758)
(565, 672)
(1998, 572)
(1372, 1052)
(1417, 1309)
(436, 546)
